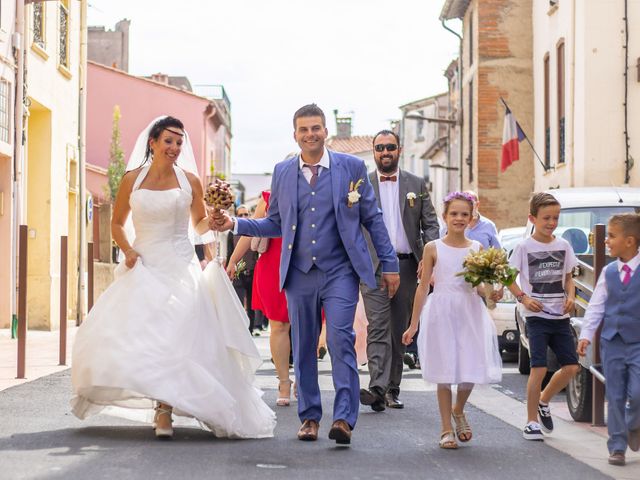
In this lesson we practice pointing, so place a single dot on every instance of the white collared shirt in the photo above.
(324, 163)
(390, 203)
(595, 311)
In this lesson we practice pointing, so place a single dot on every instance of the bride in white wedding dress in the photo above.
(166, 334)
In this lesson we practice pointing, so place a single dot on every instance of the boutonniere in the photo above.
(354, 196)
(411, 196)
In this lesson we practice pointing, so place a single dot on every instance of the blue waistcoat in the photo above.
(317, 238)
(622, 308)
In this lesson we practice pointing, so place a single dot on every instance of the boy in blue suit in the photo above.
(320, 201)
(616, 304)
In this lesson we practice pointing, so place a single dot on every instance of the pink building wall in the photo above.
(140, 101)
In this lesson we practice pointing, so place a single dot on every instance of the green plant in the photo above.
(116, 168)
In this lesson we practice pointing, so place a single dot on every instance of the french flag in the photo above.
(512, 135)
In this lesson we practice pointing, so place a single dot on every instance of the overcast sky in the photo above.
(273, 56)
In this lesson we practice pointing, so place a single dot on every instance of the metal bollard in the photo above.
(22, 300)
(63, 300)
(89, 276)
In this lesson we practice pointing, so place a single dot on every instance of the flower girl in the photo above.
(457, 343)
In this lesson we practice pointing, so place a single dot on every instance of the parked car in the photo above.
(582, 208)
(504, 315)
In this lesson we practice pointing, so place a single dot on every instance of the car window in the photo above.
(586, 218)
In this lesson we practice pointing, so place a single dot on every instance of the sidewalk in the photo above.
(42, 355)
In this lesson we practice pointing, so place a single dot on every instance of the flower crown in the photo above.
(459, 196)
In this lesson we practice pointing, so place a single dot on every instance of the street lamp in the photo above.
(447, 121)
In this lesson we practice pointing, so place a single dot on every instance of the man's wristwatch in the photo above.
(520, 297)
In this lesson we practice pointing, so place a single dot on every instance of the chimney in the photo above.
(160, 78)
(343, 125)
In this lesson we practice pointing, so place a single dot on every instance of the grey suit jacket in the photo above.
(420, 221)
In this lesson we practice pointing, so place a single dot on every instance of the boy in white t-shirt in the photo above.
(546, 291)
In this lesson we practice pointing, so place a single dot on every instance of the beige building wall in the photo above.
(51, 162)
(593, 37)
(7, 88)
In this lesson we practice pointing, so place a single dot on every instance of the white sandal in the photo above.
(284, 401)
(462, 427)
(448, 440)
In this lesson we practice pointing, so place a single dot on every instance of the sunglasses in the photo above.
(242, 215)
(390, 147)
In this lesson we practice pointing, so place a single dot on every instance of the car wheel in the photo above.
(579, 398)
(524, 366)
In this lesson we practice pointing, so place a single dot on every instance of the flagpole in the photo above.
(544, 166)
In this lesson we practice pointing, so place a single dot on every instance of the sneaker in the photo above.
(544, 415)
(532, 432)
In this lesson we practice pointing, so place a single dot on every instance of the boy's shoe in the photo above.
(544, 415)
(617, 458)
(532, 432)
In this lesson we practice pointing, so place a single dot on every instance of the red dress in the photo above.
(267, 296)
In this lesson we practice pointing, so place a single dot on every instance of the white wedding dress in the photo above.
(166, 331)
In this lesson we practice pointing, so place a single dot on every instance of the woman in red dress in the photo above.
(268, 298)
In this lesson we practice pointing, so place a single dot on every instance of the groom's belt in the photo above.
(404, 256)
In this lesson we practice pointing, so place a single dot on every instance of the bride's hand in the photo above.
(130, 258)
(231, 270)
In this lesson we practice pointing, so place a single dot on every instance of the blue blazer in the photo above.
(282, 217)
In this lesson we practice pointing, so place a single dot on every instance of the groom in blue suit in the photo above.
(319, 202)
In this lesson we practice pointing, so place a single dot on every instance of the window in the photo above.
(39, 25)
(419, 126)
(5, 113)
(547, 127)
(561, 115)
(63, 26)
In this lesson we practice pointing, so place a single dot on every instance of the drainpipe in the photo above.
(459, 115)
(572, 82)
(82, 162)
(18, 156)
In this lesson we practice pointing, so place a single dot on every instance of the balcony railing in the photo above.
(561, 140)
(64, 37)
(547, 148)
(214, 92)
(38, 24)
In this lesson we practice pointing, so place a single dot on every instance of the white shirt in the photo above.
(325, 162)
(595, 311)
(390, 203)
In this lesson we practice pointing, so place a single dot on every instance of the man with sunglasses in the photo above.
(411, 222)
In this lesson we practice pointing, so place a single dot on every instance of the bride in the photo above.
(165, 333)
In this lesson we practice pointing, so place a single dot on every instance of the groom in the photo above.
(320, 201)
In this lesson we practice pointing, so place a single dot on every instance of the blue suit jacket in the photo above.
(282, 217)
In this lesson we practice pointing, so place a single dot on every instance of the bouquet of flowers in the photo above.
(241, 268)
(490, 267)
(218, 195)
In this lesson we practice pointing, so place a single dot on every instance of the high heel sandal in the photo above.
(163, 432)
(284, 401)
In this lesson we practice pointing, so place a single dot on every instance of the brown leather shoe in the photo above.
(633, 439)
(617, 458)
(308, 431)
(340, 432)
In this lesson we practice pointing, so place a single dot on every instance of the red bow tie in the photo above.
(392, 178)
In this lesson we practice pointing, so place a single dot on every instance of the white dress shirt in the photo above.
(390, 203)
(595, 311)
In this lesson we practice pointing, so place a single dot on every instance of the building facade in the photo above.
(110, 47)
(49, 203)
(496, 62)
(344, 141)
(587, 104)
(7, 144)
(140, 100)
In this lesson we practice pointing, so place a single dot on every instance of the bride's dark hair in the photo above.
(156, 130)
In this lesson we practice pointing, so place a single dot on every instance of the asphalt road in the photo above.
(39, 438)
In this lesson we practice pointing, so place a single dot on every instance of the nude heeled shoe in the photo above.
(282, 401)
(166, 432)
